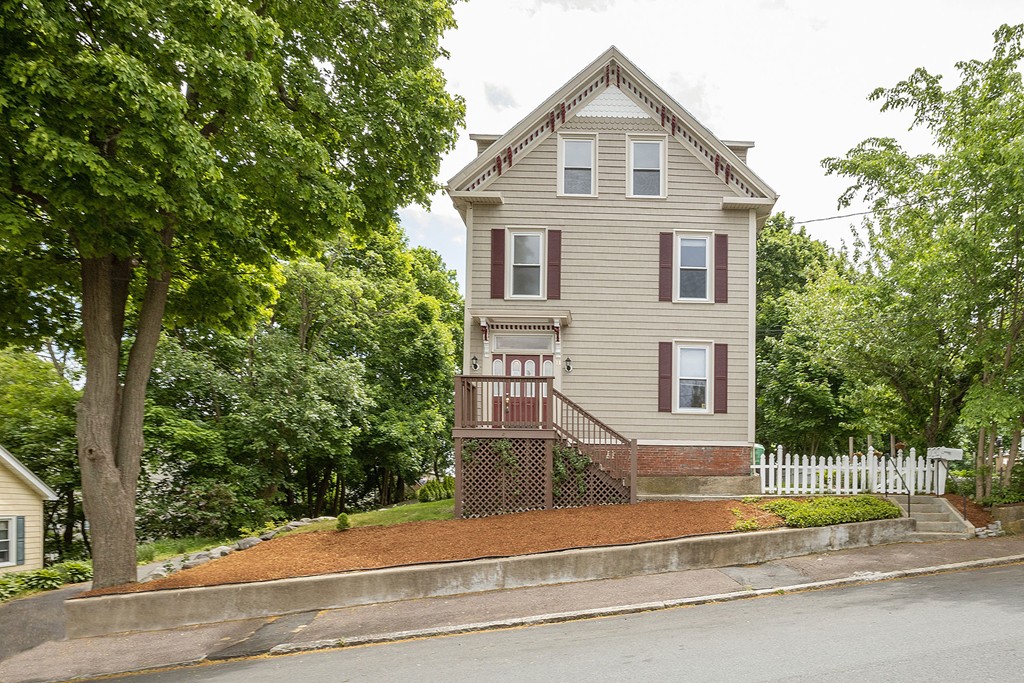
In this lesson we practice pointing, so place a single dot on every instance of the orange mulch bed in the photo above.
(373, 547)
(976, 515)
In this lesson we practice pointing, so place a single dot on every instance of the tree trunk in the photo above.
(1014, 452)
(990, 460)
(69, 522)
(110, 413)
(979, 466)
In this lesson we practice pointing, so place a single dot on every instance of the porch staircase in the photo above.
(937, 519)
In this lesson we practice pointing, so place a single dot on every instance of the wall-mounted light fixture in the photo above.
(474, 363)
(568, 364)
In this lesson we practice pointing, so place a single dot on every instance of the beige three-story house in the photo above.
(610, 248)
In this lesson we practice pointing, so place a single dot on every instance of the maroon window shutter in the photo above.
(664, 377)
(721, 378)
(665, 267)
(554, 264)
(498, 263)
(721, 269)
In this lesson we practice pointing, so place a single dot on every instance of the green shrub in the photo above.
(10, 585)
(343, 522)
(44, 579)
(436, 489)
(746, 525)
(1001, 496)
(781, 506)
(832, 510)
(75, 571)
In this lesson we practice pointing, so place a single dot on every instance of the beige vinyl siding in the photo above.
(610, 248)
(19, 499)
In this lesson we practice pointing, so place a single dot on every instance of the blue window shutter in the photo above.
(19, 552)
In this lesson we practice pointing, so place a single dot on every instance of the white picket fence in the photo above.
(785, 473)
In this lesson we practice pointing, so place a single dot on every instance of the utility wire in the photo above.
(835, 218)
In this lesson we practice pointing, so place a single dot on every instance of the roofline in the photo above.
(574, 83)
(527, 121)
(25, 474)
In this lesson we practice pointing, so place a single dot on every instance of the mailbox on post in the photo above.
(943, 453)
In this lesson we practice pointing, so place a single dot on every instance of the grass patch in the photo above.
(831, 510)
(399, 514)
(163, 548)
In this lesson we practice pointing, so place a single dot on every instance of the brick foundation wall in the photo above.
(692, 461)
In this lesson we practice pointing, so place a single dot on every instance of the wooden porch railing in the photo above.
(487, 402)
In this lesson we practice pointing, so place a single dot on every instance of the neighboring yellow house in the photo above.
(21, 515)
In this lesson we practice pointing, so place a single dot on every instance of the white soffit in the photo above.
(613, 104)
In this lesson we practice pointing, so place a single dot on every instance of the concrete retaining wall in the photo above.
(156, 610)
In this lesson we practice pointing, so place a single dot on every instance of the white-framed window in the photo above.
(7, 541)
(523, 342)
(691, 280)
(577, 165)
(646, 167)
(691, 377)
(526, 263)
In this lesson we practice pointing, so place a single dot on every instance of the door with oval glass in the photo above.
(518, 402)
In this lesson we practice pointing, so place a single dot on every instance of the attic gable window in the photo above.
(646, 167)
(577, 157)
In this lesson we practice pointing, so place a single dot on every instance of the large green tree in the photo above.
(798, 389)
(37, 424)
(947, 242)
(158, 158)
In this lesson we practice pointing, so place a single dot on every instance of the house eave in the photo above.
(763, 206)
(26, 475)
(462, 199)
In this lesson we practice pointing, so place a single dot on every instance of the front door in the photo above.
(518, 403)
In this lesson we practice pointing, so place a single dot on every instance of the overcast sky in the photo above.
(791, 75)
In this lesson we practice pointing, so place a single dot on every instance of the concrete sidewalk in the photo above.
(86, 657)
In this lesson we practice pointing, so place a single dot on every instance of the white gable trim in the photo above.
(612, 68)
(25, 474)
(613, 104)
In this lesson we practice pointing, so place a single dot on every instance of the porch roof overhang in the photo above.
(490, 316)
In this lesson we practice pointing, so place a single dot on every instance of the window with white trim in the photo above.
(691, 378)
(7, 540)
(526, 264)
(692, 272)
(646, 167)
(577, 163)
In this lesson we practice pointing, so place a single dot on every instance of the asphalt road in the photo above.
(966, 625)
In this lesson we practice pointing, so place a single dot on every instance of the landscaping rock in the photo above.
(195, 562)
(305, 520)
(204, 555)
(221, 551)
(155, 574)
(266, 536)
(326, 518)
(247, 543)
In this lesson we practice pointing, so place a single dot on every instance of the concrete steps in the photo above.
(936, 519)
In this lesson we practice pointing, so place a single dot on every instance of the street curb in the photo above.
(558, 617)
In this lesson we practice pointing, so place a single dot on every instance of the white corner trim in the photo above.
(25, 474)
(752, 326)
